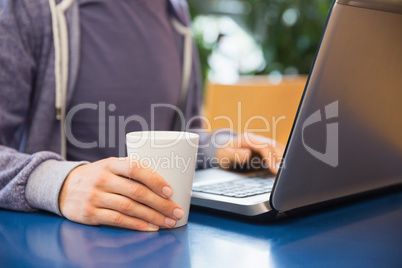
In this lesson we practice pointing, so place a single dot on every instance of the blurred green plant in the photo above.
(288, 31)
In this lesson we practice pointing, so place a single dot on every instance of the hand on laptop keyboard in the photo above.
(250, 152)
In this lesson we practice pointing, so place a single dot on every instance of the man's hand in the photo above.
(102, 193)
(238, 153)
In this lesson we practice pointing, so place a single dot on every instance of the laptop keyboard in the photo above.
(242, 187)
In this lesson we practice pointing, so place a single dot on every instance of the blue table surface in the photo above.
(367, 233)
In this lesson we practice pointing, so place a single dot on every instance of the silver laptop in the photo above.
(347, 135)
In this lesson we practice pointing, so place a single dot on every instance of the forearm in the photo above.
(45, 182)
(209, 145)
(31, 182)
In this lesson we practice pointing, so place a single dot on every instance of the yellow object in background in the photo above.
(256, 105)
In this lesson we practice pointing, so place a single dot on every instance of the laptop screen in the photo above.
(347, 137)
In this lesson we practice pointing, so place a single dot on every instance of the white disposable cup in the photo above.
(172, 155)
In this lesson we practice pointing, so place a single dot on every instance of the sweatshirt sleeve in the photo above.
(45, 171)
(31, 182)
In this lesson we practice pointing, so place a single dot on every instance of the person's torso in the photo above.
(129, 61)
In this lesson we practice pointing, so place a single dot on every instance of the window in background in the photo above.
(232, 50)
(275, 37)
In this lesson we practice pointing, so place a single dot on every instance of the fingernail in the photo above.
(167, 191)
(153, 227)
(170, 222)
(178, 213)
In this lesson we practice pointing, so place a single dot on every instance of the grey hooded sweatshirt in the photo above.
(34, 89)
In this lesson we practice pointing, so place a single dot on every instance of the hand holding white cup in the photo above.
(170, 154)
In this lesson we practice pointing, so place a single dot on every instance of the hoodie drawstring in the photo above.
(61, 48)
(187, 62)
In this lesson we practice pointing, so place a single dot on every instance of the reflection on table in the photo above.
(364, 233)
